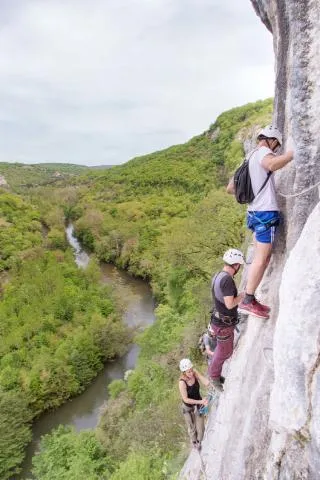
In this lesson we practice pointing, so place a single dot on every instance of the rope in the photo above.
(267, 355)
(291, 195)
(202, 467)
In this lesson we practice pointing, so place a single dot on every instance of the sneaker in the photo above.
(253, 308)
(265, 307)
(216, 384)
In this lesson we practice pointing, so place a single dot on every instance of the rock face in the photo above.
(267, 423)
(295, 25)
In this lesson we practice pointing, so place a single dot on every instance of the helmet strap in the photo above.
(234, 269)
(268, 140)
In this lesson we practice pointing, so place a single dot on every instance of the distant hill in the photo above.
(101, 166)
(20, 176)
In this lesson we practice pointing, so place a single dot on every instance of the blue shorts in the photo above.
(264, 225)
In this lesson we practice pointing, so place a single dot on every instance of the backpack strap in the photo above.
(268, 174)
(264, 183)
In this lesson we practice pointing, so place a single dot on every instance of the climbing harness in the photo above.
(268, 223)
(264, 226)
(306, 190)
(224, 320)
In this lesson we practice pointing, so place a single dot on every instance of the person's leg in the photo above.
(189, 418)
(262, 254)
(223, 351)
(199, 427)
(264, 226)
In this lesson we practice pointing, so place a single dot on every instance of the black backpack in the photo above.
(242, 182)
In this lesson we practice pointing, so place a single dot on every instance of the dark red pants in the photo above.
(223, 351)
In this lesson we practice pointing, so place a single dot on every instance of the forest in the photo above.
(164, 217)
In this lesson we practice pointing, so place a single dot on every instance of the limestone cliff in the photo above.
(267, 423)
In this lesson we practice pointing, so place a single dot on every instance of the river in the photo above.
(83, 411)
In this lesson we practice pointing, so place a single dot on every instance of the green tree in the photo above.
(15, 432)
(66, 455)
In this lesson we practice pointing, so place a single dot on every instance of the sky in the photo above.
(97, 82)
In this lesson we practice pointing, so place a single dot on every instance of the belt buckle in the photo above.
(227, 320)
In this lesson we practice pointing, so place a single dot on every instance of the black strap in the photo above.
(265, 182)
(268, 174)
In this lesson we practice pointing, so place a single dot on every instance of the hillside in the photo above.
(20, 176)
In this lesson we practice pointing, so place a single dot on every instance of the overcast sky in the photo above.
(101, 81)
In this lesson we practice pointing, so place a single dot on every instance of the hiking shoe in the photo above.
(215, 384)
(253, 308)
(265, 307)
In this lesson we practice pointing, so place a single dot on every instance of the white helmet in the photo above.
(233, 256)
(270, 131)
(185, 364)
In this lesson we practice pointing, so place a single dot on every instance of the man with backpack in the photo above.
(225, 313)
(253, 183)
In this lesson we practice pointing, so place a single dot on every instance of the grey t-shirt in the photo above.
(209, 341)
(266, 200)
(223, 285)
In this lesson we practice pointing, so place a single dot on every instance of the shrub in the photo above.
(138, 466)
(116, 387)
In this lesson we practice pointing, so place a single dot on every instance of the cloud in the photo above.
(101, 81)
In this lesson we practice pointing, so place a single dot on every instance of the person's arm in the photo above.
(230, 186)
(231, 302)
(202, 379)
(184, 395)
(209, 351)
(228, 289)
(273, 162)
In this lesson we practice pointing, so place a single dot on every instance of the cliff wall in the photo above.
(267, 423)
